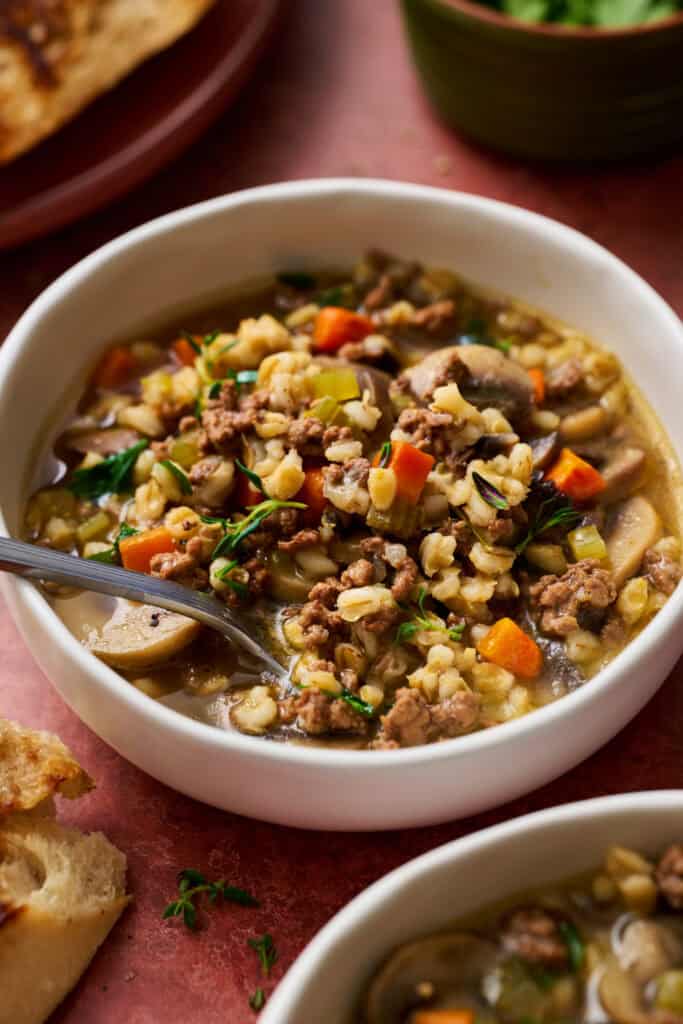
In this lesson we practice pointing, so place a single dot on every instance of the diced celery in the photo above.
(326, 409)
(586, 542)
(670, 992)
(184, 450)
(95, 527)
(340, 384)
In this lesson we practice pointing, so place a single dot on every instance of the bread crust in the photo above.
(35, 766)
(56, 56)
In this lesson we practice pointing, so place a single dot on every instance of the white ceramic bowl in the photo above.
(431, 892)
(179, 258)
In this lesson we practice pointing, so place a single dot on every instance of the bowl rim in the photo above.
(351, 916)
(479, 12)
(173, 722)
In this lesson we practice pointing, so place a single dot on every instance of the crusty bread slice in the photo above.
(60, 894)
(56, 57)
(35, 766)
(60, 891)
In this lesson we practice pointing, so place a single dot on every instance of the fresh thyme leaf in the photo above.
(490, 494)
(385, 455)
(266, 952)
(236, 532)
(179, 474)
(215, 389)
(555, 511)
(338, 295)
(574, 944)
(111, 476)
(406, 631)
(191, 884)
(190, 338)
(198, 408)
(422, 594)
(455, 632)
(223, 574)
(475, 529)
(298, 279)
(250, 475)
(258, 1000)
(476, 333)
(209, 338)
(359, 705)
(112, 555)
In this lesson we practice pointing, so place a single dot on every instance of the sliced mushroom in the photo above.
(287, 581)
(634, 529)
(584, 424)
(623, 473)
(138, 636)
(453, 962)
(490, 445)
(648, 948)
(103, 442)
(491, 378)
(544, 450)
(621, 996)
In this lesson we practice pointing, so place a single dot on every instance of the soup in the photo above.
(439, 509)
(606, 947)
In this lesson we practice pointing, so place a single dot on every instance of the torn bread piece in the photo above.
(57, 56)
(60, 891)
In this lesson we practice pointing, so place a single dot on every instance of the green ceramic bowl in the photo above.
(548, 91)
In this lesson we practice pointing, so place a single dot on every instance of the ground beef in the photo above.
(614, 632)
(406, 575)
(412, 721)
(428, 430)
(326, 592)
(301, 539)
(306, 435)
(180, 567)
(452, 371)
(502, 529)
(382, 620)
(669, 875)
(334, 434)
(224, 427)
(358, 471)
(188, 423)
(259, 577)
(162, 449)
(533, 935)
(577, 600)
(227, 397)
(256, 401)
(563, 379)
(661, 570)
(319, 623)
(359, 574)
(283, 523)
(434, 316)
(316, 714)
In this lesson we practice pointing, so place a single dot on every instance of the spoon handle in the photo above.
(34, 562)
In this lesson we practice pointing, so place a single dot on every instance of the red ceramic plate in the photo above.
(127, 134)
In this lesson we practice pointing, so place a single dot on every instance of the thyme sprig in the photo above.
(266, 952)
(192, 885)
(238, 530)
(554, 511)
(407, 630)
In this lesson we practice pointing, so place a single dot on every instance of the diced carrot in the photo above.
(575, 477)
(335, 326)
(442, 1017)
(311, 493)
(507, 645)
(246, 493)
(411, 466)
(114, 367)
(137, 551)
(184, 352)
(538, 381)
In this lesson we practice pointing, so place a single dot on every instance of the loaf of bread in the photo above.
(57, 56)
(60, 891)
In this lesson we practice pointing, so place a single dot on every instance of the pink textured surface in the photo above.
(336, 97)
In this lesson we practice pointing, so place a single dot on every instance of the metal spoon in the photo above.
(38, 563)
